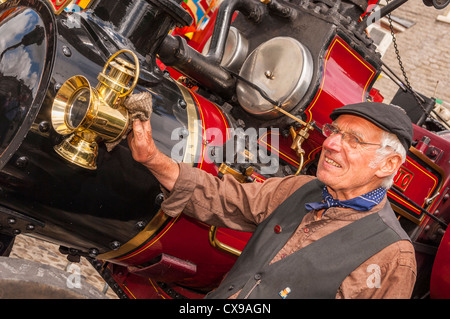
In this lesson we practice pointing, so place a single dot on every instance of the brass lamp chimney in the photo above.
(90, 115)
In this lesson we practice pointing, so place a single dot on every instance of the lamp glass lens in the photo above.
(78, 108)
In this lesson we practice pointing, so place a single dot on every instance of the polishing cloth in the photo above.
(139, 106)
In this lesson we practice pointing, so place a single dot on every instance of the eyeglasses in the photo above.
(349, 138)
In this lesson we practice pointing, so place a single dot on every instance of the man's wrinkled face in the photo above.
(345, 169)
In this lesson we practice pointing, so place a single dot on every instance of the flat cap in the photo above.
(388, 117)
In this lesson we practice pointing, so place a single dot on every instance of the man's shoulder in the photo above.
(294, 182)
(400, 253)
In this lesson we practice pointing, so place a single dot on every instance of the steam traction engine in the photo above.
(276, 67)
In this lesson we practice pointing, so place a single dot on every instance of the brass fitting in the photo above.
(91, 115)
(298, 137)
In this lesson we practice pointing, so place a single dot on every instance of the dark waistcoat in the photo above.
(315, 271)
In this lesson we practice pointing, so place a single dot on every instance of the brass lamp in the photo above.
(91, 115)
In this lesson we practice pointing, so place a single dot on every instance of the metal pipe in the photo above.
(206, 69)
(176, 53)
(423, 210)
(253, 9)
(391, 6)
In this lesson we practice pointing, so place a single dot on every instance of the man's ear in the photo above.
(389, 165)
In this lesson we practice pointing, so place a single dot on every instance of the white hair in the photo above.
(389, 144)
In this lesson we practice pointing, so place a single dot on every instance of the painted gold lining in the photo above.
(437, 188)
(338, 40)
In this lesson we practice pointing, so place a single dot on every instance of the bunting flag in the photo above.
(200, 10)
(83, 3)
(78, 5)
(59, 6)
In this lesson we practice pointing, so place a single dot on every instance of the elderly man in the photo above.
(330, 236)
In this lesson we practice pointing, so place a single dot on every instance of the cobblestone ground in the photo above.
(47, 253)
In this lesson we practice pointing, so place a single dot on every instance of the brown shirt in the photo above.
(391, 273)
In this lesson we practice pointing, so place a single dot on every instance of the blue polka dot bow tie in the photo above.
(361, 203)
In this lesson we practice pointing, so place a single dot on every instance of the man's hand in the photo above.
(141, 142)
(144, 151)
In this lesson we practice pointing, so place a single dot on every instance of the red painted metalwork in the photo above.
(346, 79)
(440, 276)
(417, 170)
